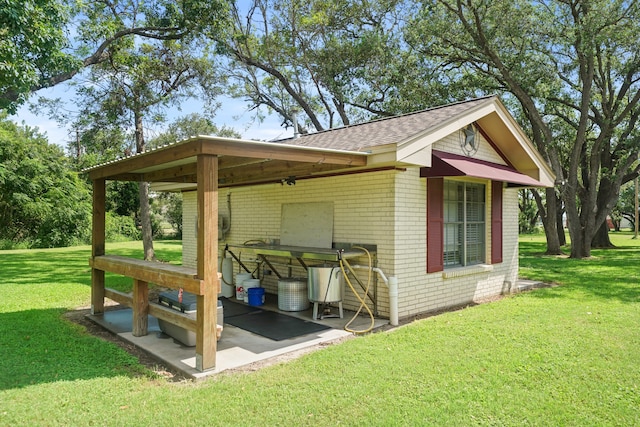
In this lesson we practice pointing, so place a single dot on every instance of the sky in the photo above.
(233, 114)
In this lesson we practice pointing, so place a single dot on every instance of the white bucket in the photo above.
(240, 279)
(249, 283)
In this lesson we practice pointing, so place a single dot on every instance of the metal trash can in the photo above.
(292, 294)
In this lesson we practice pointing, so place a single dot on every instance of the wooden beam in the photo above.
(261, 150)
(163, 274)
(172, 174)
(207, 261)
(273, 171)
(172, 316)
(122, 298)
(98, 244)
(160, 156)
(140, 320)
(223, 147)
(156, 310)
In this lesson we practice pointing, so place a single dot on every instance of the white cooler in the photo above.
(187, 306)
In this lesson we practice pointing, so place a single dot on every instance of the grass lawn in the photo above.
(565, 355)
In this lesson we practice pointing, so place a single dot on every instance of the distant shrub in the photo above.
(120, 228)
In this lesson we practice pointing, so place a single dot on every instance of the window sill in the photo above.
(466, 271)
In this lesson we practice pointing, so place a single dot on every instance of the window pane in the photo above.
(475, 243)
(464, 223)
(453, 244)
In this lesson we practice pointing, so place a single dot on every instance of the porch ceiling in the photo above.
(239, 162)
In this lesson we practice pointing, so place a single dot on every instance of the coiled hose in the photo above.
(366, 292)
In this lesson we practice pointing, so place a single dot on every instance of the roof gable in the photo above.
(411, 136)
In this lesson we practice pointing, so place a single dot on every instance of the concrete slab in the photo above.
(523, 285)
(236, 347)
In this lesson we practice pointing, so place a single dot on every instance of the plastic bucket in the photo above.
(240, 289)
(248, 284)
(256, 296)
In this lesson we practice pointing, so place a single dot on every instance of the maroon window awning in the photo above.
(448, 164)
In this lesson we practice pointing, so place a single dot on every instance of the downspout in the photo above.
(392, 285)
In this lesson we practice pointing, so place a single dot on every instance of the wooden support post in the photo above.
(97, 245)
(207, 256)
(140, 321)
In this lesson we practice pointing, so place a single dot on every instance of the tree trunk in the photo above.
(145, 214)
(548, 216)
(145, 220)
(601, 239)
(562, 238)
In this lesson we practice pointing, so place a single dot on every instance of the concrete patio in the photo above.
(236, 348)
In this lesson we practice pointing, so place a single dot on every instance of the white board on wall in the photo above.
(307, 224)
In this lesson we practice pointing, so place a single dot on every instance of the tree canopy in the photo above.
(38, 51)
(35, 177)
(573, 70)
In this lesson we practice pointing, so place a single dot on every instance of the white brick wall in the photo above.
(387, 209)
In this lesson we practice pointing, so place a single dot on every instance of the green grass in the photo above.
(566, 355)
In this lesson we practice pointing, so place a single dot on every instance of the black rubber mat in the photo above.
(233, 309)
(274, 325)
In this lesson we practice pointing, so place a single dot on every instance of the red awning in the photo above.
(448, 164)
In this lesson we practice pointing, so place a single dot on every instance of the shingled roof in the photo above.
(391, 130)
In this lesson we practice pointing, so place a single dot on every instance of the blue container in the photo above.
(256, 296)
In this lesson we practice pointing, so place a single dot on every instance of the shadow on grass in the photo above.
(39, 346)
(612, 274)
(70, 265)
(46, 267)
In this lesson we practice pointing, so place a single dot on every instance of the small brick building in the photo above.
(437, 202)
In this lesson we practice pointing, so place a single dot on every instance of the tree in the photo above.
(183, 128)
(528, 212)
(324, 64)
(573, 69)
(36, 52)
(134, 86)
(32, 47)
(625, 208)
(191, 125)
(42, 202)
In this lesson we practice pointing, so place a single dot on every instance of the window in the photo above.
(460, 236)
(464, 223)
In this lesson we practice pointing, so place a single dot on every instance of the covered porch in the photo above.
(204, 164)
(237, 349)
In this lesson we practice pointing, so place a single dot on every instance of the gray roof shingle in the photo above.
(391, 130)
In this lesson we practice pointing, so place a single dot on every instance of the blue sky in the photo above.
(233, 113)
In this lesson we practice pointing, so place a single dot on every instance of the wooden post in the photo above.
(207, 254)
(140, 308)
(97, 245)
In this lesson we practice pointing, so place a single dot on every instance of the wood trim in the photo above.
(169, 275)
(435, 225)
